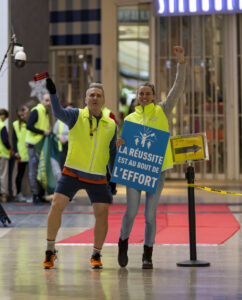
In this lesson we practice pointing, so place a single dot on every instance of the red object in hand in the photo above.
(41, 76)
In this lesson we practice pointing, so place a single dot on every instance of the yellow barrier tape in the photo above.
(213, 190)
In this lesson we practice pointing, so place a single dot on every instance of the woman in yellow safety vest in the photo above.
(156, 116)
(5, 149)
(20, 149)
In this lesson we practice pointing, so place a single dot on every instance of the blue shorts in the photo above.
(98, 193)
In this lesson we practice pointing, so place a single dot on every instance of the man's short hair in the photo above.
(96, 85)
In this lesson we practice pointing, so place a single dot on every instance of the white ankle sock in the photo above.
(96, 251)
(51, 246)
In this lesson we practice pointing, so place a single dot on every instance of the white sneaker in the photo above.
(20, 197)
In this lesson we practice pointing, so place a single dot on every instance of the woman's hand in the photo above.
(179, 52)
(120, 142)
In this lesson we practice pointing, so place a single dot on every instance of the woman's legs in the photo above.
(20, 175)
(133, 201)
(151, 203)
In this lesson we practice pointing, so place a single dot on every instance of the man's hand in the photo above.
(50, 86)
(179, 52)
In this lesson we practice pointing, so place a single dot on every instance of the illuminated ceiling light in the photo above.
(162, 6)
(171, 6)
(230, 4)
(192, 6)
(205, 5)
(218, 5)
(181, 6)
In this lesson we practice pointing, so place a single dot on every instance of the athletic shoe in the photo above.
(20, 197)
(50, 257)
(96, 261)
(4, 198)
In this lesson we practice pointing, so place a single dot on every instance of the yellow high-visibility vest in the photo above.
(21, 131)
(43, 123)
(4, 152)
(88, 148)
(153, 116)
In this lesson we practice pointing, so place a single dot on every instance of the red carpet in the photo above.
(215, 224)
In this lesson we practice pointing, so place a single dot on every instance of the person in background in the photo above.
(123, 112)
(154, 115)
(107, 112)
(61, 131)
(123, 107)
(132, 106)
(5, 150)
(92, 146)
(20, 149)
(38, 126)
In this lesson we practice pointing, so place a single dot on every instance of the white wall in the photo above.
(3, 49)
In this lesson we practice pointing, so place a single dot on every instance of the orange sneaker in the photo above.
(96, 261)
(50, 257)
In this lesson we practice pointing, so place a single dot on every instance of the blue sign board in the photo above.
(196, 7)
(139, 161)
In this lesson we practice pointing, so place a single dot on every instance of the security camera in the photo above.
(19, 55)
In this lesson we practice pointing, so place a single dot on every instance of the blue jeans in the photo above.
(33, 170)
(151, 203)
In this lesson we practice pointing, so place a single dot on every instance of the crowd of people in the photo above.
(87, 143)
(19, 155)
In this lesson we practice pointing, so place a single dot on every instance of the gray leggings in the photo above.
(151, 203)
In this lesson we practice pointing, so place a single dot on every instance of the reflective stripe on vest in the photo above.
(4, 152)
(21, 132)
(43, 123)
(153, 116)
(88, 153)
(59, 132)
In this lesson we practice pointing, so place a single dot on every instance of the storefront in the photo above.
(125, 42)
(212, 37)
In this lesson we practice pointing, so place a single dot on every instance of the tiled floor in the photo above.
(22, 245)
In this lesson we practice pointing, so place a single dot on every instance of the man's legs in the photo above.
(100, 232)
(4, 178)
(101, 223)
(33, 170)
(58, 205)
